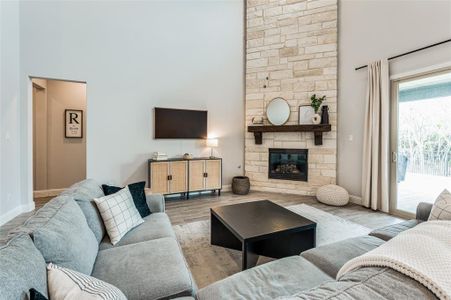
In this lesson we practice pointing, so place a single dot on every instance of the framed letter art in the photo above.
(74, 123)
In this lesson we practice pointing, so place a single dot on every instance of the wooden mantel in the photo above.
(316, 129)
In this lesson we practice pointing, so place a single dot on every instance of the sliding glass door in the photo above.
(421, 140)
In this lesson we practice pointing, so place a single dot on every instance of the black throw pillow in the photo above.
(137, 191)
(35, 295)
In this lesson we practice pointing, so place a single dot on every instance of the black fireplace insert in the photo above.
(288, 164)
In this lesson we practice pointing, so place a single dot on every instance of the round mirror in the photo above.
(278, 111)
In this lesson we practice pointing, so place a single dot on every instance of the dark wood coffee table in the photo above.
(261, 228)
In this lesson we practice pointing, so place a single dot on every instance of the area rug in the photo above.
(212, 263)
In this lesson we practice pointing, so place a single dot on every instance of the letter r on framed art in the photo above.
(74, 123)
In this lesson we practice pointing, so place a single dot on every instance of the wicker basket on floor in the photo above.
(240, 185)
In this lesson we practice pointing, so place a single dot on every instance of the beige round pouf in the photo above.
(332, 194)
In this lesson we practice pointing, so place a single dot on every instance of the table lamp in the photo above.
(212, 143)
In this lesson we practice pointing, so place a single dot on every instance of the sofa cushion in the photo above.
(155, 226)
(388, 232)
(60, 231)
(93, 218)
(84, 193)
(137, 191)
(282, 277)
(22, 268)
(149, 270)
(330, 258)
(87, 190)
(368, 283)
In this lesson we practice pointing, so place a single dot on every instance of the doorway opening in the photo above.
(59, 136)
(421, 140)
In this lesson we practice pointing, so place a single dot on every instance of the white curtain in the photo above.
(376, 158)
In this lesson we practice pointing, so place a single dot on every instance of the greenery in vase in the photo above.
(316, 102)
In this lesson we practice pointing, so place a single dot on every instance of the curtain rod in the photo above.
(410, 52)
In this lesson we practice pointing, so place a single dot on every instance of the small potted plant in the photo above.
(316, 104)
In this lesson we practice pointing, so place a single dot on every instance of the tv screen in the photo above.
(180, 123)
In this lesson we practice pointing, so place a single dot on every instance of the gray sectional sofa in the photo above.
(311, 275)
(146, 264)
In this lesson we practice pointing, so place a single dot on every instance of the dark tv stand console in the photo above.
(182, 176)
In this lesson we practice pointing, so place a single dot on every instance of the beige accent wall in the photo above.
(65, 157)
(294, 45)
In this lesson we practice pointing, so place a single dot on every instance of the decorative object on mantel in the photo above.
(241, 185)
(212, 143)
(187, 156)
(258, 120)
(316, 119)
(159, 156)
(316, 129)
(278, 111)
(306, 113)
(332, 194)
(325, 114)
(316, 104)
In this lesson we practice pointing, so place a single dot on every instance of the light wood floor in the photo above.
(198, 208)
(39, 202)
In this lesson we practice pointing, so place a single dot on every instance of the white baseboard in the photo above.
(355, 199)
(6, 217)
(47, 193)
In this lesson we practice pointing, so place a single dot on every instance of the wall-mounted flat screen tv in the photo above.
(180, 123)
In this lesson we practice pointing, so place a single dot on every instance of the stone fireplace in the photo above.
(288, 164)
(291, 52)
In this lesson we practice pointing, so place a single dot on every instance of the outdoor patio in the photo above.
(418, 188)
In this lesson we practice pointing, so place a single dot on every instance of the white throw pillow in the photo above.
(119, 214)
(441, 210)
(66, 284)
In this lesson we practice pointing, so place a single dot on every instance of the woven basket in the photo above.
(240, 185)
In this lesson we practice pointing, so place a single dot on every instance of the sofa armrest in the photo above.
(423, 211)
(155, 202)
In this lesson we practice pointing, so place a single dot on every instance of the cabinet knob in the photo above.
(169, 177)
(205, 174)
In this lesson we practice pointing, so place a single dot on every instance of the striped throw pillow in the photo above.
(66, 284)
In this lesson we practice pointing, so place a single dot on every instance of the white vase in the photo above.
(316, 119)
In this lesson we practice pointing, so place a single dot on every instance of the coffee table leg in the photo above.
(222, 236)
(249, 259)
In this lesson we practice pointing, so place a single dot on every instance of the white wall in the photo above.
(12, 201)
(135, 56)
(371, 30)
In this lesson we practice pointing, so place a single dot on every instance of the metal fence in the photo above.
(435, 168)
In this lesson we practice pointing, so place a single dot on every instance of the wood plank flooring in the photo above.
(198, 208)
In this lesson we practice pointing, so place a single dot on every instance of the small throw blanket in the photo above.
(422, 253)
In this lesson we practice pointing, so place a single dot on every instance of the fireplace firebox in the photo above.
(288, 164)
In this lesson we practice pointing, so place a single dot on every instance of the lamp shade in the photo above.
(212, 143)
